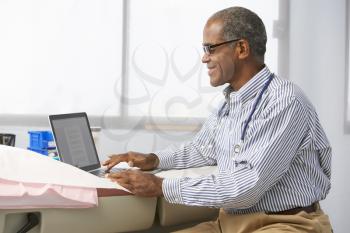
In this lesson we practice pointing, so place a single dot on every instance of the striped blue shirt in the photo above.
(284, 162)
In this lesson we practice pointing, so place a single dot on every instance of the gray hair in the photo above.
(239, 22)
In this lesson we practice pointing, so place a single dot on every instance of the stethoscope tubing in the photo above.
(255, 106)
(237, 147)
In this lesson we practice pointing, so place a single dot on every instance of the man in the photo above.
(272, 154)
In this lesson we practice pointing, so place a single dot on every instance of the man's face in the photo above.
(221, 61)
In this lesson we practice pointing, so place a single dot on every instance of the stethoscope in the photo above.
(237, 147)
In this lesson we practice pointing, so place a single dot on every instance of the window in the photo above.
(164, 74)
(59, 56)
(138, 60)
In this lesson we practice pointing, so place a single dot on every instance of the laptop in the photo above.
(75, 144)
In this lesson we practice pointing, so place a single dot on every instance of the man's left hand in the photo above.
(138, 182)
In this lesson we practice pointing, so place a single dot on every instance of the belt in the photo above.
(308, 209)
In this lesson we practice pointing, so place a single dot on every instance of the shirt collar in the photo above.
(251, 88)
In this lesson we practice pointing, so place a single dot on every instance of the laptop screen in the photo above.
(74, 140)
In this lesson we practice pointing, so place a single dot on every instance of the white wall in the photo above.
(317, 64)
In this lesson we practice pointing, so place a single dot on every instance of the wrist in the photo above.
(155, 160)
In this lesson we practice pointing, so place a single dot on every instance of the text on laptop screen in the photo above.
(75, 143)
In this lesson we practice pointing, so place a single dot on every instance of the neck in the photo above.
(244, 75)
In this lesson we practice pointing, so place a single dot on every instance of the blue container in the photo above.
(40, 140)
(40, 151)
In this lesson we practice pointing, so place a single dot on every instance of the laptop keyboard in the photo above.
(99, 173)
(102, 172)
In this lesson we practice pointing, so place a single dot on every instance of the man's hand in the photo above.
(134, 159)
(139, 183)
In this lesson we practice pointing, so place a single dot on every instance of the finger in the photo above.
(114, 160)
(122, 180)
(139, 189)
(117, 175)
(123, 173)
(106, 162)
(109, 166)
(125, 185)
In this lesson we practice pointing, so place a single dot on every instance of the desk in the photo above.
(118, 211)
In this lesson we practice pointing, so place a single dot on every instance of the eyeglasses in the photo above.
(209, 48)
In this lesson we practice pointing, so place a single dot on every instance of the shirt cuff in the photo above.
(166, 159)
(172, 190)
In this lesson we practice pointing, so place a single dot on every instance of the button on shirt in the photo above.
(284, 161)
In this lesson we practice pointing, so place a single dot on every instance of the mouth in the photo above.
(210, 66)
(211, 70)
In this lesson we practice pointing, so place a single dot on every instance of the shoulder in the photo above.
(285, 90)
(283, 94)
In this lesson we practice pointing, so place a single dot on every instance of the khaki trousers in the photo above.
(302, 222)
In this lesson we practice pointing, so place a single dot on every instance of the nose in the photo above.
(205, 58)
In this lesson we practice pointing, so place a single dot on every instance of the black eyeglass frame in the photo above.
(208, 48)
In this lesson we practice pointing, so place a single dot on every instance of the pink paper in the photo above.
(20, 195)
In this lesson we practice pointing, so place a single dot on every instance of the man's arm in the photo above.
(195, 153)
(266, 155)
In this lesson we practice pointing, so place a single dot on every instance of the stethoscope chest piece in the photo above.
(237, 149)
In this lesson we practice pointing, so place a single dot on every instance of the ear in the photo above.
(243, 49)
